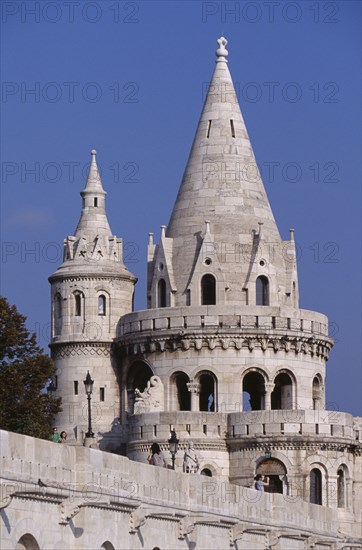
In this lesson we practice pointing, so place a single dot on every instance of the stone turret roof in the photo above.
(93, 250)
(93, 219)
(221, 182)
(222, 186)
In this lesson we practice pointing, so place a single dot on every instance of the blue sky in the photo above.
(128, 79)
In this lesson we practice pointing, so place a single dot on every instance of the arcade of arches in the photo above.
(258, 394)
(200, 393)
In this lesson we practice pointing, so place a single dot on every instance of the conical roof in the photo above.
(222, 185)
(93, 249)
(93, 220)
(221, 182)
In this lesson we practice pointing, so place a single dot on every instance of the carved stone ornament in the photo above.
(151, 399)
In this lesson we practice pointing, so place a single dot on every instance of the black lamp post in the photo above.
(173, 446)
(88, 384)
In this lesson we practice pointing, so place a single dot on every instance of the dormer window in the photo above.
(161, 291)
(262, 291)
(208, 290)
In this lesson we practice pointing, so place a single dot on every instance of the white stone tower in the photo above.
(224, 354)
(89, 292)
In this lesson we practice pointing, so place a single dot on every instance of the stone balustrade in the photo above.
(229, 318)
(228, 423)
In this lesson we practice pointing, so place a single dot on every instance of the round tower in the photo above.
(89, 292)
(224, 355)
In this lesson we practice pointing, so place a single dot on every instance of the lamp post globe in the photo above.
(88, 385)
(173, 446)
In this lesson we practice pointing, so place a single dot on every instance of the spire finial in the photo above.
(93, 152)
(222, 52)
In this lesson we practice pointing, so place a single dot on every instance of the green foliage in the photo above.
(24, 371)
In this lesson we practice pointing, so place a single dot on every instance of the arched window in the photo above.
(253, 392)
(78, 304)
(161, 291)
(262, 291)
(282, 395)
(206, 472)
(207, 393)
(27, 542)
(58, 306)
(181, 397)
(208, 290)
(107, 546)
(276, 473)
(101, 304)
(315, 485)
(138, 375)
(57, 314)
(316, 392)
(341, 488)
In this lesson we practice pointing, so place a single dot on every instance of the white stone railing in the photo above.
(203, 425)
(234, 318)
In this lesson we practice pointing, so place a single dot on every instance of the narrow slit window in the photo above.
(96, 202)
(232, 128)
(208, 129)
(58, 306)
(315, 481)
(78, 305)
(101, 305)
(161, 288)
(75, 387)
(102, 394)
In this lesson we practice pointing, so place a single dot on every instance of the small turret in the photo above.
(90, 291)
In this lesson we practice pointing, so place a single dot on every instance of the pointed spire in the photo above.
(221, 184)
(94, 183)
(93, 220)
(221, 181)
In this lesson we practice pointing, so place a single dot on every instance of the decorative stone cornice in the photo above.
(283, 443)
(60, 350)
(57, 277)
(133, 344)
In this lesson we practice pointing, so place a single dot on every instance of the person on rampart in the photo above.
(63, 437)
(260, 482)
(156, 456)
(54, 436)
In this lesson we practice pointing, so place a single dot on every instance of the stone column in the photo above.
(269, 387)
(332, 492)
(194, 389)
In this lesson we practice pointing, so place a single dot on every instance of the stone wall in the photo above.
(61, 495)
